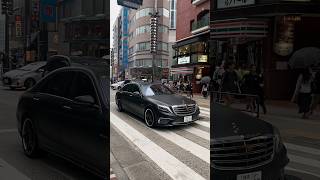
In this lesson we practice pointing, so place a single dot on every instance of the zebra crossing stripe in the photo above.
(167, 162)
(186, 144)
(198, 132)
(302, 149)
(202, 123)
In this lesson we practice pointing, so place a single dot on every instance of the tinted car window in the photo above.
(83, 86)
(127, 88)
(156, 89)
(58, 84)
(135, 88)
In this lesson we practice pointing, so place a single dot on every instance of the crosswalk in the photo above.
(180, 152)
(303, 160)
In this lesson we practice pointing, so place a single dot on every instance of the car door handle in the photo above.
(36, 99)
(67, 107)
(103, 136)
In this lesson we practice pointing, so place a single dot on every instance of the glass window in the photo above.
(58, 84)
(157, 89)
(83, 86)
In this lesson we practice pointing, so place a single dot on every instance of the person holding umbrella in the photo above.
(315, 92)
(302, 93)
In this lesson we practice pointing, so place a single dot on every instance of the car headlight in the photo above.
(278, 139)
(165, 109)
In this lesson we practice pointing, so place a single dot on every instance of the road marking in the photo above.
(304, 161)
(204, 109)
(171, 165)
(202, 123)
(8, 172)
(198, 132)
(302, 171)
(8, 130)
(302, 149)
(186, 144)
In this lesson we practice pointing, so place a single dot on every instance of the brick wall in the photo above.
(186, 12)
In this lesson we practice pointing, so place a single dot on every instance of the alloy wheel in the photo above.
(149, 118)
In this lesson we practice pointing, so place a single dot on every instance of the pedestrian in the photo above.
(252, 84)
(302, 93)
(315, 88)
(230, 83)
(204, 90)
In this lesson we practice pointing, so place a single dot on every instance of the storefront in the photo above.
(267, 35)
(87, 37)
(191, 62)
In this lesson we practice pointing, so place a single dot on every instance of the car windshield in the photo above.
(156, 89)
(32, 67)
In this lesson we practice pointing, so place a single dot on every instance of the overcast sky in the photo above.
(114, 12)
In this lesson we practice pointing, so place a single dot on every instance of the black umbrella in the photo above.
(305, 57)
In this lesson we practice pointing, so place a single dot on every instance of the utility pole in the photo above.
(154, 36)
(7, 9)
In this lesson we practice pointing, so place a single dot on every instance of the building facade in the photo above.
(83, 28)
(191, 61)
(265, 33)
(140, 58)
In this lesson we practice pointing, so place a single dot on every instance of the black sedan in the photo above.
(157, 104)
(67, 114)
(244, 147)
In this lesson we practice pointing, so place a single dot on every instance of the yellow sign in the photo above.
(203, 58)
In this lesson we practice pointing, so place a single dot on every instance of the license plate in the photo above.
(187, 118)
(250, 176)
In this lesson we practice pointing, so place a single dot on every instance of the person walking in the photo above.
(302, 93)
(315, 88)
(230, 82)
(204, 90)
(189, 89)
(252, 84)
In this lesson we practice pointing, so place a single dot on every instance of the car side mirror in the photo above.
(87, 99)
(137, 93)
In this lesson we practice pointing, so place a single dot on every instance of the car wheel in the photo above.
(119, 88)
(29, 139)
(29, 83)
(149, 117)
(120, 108)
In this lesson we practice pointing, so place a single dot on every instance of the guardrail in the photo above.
(237, 100)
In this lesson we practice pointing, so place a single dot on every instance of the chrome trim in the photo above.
(186, 106)
(243, 143)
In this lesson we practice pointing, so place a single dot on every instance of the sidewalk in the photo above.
(202, 102)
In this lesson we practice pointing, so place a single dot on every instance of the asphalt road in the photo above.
(160, 153)
(14, 164)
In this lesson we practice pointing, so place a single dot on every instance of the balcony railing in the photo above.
(200, 25)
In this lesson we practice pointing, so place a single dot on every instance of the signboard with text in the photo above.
(184, 60)
(233, 3)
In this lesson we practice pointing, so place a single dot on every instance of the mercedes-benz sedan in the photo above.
(157, 104)
(244, 147)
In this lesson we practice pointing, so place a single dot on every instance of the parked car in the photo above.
(156, 104)
(24, 77)
(117, 85)
(244, 147)
(67, 114)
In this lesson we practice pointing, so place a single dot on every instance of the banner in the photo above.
(48, 10)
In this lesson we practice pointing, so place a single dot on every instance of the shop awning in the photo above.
(182, 70)
(239, 28)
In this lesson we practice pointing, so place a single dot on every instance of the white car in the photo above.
(117, 85)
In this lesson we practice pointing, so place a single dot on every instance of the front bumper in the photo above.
(10, 82)
(271, 171)
(165, 119)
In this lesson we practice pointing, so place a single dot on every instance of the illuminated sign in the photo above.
(203, 58)
(184, 60)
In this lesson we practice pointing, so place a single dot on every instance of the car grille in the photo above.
(6, 81)
(183, 110)
(243, 154)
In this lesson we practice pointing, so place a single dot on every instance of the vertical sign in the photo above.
(18, 19)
